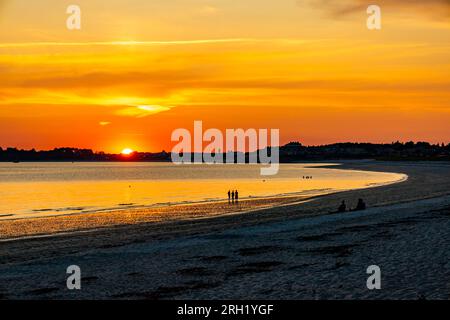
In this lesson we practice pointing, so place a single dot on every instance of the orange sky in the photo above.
(139, 69)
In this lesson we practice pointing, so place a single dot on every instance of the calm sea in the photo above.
(42, 189)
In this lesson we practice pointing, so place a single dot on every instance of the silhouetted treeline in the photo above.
(74, 154)
(391, 151)
(293, 151)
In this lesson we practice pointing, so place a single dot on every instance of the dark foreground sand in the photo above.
(296, 251)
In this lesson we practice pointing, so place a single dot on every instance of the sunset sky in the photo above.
(139, 69)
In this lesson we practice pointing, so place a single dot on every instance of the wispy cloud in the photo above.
(142, 111)
(124, 43)
(344, 7)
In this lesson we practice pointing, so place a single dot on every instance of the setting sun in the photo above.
(127, 151)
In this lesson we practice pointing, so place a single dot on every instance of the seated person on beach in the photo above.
(361, 205)
(342, 207)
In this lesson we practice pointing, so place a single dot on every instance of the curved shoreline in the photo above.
(16, 229)
(42, 210)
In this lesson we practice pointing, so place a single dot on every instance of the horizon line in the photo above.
(283, 145)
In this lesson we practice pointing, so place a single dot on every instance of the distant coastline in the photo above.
(291, 152)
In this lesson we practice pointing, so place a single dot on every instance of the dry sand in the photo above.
(296, 251)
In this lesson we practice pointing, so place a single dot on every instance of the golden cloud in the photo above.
(142, 111)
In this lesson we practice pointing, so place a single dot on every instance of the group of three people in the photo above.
(233, 195)
(361, 205)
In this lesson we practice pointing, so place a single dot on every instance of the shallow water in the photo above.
(42, 189)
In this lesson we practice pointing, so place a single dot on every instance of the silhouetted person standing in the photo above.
(229, 195)
(232, 195)
(236, 195)
(361, 205)
(342, 207)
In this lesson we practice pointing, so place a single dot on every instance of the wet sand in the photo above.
(12, 227)
(63, 224)
(298, 250)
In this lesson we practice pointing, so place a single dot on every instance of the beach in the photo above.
(41, 199)
(277, 248)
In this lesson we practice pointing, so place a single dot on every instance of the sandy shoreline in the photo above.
(17, 229)
(25, 228)
(293, 251)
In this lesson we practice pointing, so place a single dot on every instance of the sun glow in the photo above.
(127, 151)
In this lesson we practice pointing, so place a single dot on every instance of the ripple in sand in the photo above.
(259, 250)
(254, 267)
